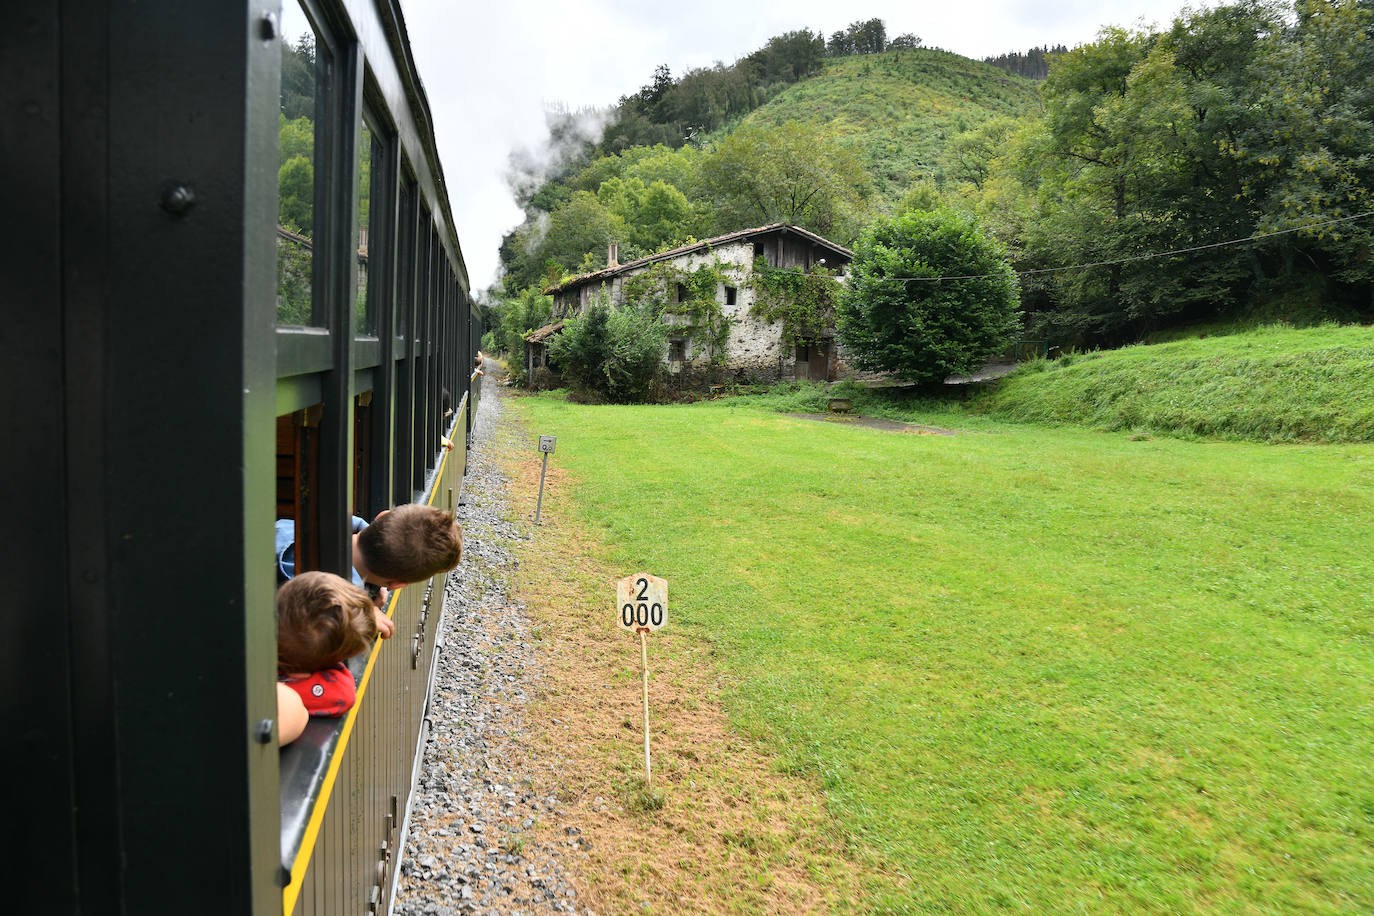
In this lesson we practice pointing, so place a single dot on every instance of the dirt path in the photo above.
(895, 426)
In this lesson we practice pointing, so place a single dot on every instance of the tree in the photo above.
(1307, 147)
(1116, 166)
(296, 174)
(870, 37)
(580, 349)
(922, 195)
(295, 138)
(611, 355)
(581, 227)
(663, 219)
(649, 99)
(517, 315)
(298, 78)
(867, 37)
(794, 173)
(967, 155)
(894, 318)
(655, 217)
(788, 57)
(296, 195)
(1033, 64)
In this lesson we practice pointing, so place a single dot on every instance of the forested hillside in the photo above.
(898, 110)
(1218, 168)
(824, 134)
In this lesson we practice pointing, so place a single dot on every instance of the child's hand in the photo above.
(385, 625)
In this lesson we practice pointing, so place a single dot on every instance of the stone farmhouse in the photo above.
(755, 348)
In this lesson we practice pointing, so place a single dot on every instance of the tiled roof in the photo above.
(607, 273)
(544, 333)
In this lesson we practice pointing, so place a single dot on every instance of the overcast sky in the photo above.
(490, 68)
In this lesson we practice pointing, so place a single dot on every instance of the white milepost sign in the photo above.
(641, 602)
(641, 606)
(546, 443)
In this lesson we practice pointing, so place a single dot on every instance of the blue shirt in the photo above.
(286, 547)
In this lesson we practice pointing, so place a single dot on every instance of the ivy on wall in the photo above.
(690, 295)
(803, 302)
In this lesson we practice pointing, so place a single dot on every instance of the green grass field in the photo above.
(1034, 669)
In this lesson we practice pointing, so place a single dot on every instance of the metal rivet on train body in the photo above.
(267, 26)
(177, 199)
(263, 731)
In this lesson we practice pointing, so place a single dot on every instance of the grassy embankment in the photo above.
(1269, 384)
(1272, 384)
(1033, 669)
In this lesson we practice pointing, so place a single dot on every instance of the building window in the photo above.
(677, 350)
(730, 293)
(680, 293)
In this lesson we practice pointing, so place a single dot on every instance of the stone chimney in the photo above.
(612, 253)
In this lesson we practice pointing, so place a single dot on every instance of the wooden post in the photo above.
(641, 606)
(539, 506)
(644, 657)
(546, 445)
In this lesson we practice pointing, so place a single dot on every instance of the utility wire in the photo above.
(1144, 257)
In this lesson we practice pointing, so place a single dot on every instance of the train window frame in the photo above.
(371, 348)
(378, 134)
(415, 362)
(408, 215)
(322, 51)
(310, 349)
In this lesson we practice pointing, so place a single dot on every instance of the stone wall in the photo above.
(754, 348)
(754, 351)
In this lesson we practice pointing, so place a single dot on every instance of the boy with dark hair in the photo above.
(322, 621)
(407, 544)
(403, 545)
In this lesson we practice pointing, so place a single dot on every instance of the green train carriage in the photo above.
(185, 366)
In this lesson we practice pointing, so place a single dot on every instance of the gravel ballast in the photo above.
(468, 848)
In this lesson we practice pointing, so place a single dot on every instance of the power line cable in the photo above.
(1144, 257)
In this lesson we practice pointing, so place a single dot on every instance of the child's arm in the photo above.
(291, 715)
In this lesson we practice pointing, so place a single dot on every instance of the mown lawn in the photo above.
(1034, 670)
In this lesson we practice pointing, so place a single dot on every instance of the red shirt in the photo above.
(330, 692)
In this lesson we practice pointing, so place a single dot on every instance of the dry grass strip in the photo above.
(721, 830)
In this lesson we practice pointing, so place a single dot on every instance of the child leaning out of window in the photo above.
(322, 620)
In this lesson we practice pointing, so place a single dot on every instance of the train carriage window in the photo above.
(405, 286)
(301, 63)
(369, 187)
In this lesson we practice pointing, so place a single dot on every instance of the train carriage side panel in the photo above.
(144, 355)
